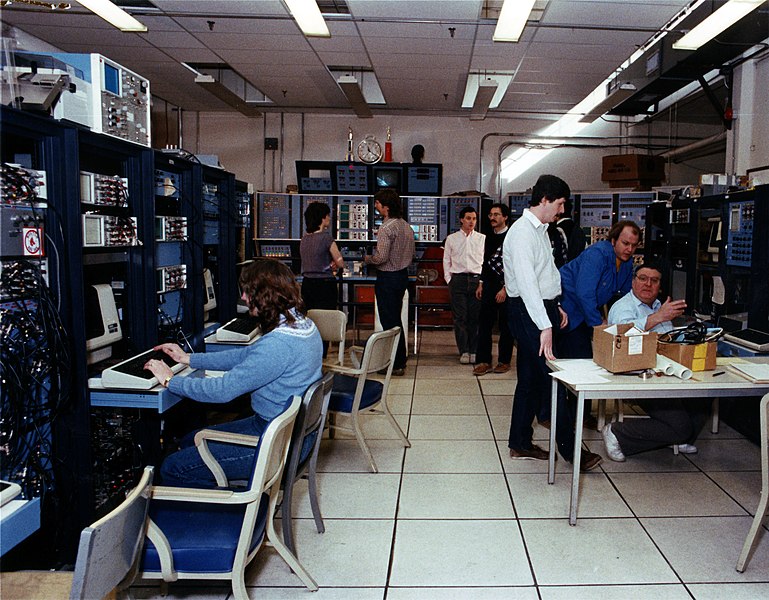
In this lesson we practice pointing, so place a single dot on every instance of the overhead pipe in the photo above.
(671, 155)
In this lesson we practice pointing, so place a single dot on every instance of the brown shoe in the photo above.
(545, 424)
(502, 368)
(481, 369)
(535, 453)
(589, 461)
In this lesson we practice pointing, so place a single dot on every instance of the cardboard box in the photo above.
(697, 357)
(617, 352)
(633, 168)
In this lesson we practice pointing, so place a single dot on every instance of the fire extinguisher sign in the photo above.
(33, 241)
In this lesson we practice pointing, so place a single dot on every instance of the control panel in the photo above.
(21, 231)
(170, 229)
(109, 231)
(19, 185)
(739, 240)
(353, 218)
(517, 203)
(422, 214)
(103, 190)
(275, 250)
(274, 214)
(595, 216)
(171, 278)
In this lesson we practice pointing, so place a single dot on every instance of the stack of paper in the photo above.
(755, 372)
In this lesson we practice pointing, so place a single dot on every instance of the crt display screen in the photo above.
(111, 79)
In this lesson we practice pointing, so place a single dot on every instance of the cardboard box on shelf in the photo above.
(633, 170)
(697, 357)
(624, 347)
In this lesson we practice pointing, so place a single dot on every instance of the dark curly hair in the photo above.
(271, 292)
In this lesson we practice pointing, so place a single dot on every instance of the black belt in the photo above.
(465, 274)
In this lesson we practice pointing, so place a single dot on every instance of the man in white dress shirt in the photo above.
(533, 286)
(462, 264)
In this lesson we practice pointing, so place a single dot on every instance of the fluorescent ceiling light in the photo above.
(114, 15)
(512, 19)
(349, 86)
(617, 96)
(309, 18)
(486, 90)
(723, 18)
(474, 81)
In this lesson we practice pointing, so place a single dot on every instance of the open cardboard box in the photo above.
(695, 357)
(616, 351)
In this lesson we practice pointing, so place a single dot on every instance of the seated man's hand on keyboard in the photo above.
(175, 352)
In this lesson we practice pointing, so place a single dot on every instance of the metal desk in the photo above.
(631, 387)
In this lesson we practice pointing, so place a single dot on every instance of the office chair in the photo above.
(303, 453)
(332, 325)
(354, 392)
(216, 533)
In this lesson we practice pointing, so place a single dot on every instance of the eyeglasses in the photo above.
(646, 278)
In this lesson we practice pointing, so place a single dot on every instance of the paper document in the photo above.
(758, 373)
(575, 377)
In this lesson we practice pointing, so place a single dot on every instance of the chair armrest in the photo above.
(225, 436)
(356, 355)
(180, 494)
(201, 443)
(344, 370)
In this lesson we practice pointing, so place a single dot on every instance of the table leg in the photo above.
(577, 459)
(553, 416)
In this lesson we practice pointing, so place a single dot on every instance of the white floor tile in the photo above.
(706, 549)
(501, 385)
(349, 496)
(654, 461)
(596, 551)
(459, 553)
(534, 498)
(454, 496)
(452, 456)
(727, 455)
(324, 593)
(445, 387)
(457, 371)
(345, 456)
(674, 495)
(615, 592)
(441, 427)
(351, 553)
(743, 486)
(733, 591)
(499, 405)
(462, 593)
(448, 405)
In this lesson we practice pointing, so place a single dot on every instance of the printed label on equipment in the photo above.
(32, 245)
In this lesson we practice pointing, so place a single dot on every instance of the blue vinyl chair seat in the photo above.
(202, 539)
(344, 392)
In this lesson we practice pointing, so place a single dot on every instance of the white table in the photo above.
(702, 385)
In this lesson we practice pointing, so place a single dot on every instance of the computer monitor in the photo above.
(209, 294)
(423, 180)
(104, 331)
(388, 177)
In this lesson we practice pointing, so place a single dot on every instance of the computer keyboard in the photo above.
(131, 374)
(750, 338)
(240, 329)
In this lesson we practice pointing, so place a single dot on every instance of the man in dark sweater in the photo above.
(491, 293)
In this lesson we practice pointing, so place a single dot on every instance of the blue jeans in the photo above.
(533, 390)
(466, 308)
(185, 468)
(389, 289)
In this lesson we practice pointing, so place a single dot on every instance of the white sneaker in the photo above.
(610, 441)
(472, 358)
(464, 359)
(687, 449)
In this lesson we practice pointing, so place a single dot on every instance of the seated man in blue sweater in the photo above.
(284, 362)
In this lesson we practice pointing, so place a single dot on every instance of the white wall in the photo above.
(455, 142)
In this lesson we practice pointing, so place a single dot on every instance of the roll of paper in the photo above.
(672, 368)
